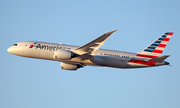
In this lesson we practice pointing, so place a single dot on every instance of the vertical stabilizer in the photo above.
(156, 48)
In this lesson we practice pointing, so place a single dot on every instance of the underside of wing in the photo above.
(94, 45)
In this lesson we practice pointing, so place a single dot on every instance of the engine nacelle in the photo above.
(61, 54)
(67, 66)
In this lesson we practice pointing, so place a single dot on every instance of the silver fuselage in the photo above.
(43, 50)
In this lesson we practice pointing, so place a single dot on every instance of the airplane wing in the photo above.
(94, 45)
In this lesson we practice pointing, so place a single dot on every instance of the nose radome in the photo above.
(10, 50)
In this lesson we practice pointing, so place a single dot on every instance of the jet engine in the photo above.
(67, 66)
(64, 54)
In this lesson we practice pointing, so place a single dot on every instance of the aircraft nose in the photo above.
(9, 50)
(13, 50)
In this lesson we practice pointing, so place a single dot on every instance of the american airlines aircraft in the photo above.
(74, 57)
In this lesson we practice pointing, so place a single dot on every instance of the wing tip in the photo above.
(114, 31)
(111, 32)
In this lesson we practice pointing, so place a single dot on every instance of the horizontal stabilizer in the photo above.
(160, 58)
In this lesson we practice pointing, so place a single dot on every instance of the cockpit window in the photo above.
(15, 45)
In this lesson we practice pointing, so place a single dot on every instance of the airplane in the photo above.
(75, 57)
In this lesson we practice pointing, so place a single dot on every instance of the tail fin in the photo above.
(155, 49)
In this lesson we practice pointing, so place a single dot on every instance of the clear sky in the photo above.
(35, 83)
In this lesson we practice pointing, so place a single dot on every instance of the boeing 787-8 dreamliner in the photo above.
(74, 57)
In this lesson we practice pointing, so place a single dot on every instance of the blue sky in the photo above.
(34, 83)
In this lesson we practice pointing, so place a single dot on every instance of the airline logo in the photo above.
(33, 45)
(153, 50)
(46, 47)
(156, 48)
(159, 45)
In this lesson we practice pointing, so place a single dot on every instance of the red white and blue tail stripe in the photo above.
(156, 48)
